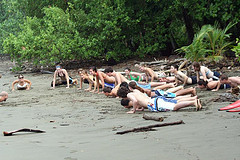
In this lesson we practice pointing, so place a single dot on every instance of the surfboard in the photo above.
(231, 106)
(234, 110)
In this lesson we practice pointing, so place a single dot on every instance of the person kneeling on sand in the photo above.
(22, 84)
(3, 96)
(86, 78)
(64, 78)
(234, 82)
(141, 101)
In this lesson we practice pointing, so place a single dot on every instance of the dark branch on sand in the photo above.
(149, 128)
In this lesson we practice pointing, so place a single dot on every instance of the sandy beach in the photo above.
(82, 126)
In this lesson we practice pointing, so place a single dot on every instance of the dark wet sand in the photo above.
(82, 125)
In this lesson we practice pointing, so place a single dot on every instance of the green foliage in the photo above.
(209, 42)
(236, 49)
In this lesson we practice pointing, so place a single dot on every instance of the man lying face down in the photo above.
(141, 101)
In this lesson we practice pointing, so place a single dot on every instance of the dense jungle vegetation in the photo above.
(49, 31)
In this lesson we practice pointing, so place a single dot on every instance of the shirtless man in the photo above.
(120, 78)
(205, 72)
(3, 96)
(180, 77)
(101, 76)
(149, 73)
(212, 85)
(109, 92)
(22, 84)
(141, 101)
(63, 75)
(232, 81)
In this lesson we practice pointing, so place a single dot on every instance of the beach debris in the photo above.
(64, 124)
(22, 130)
(226, 97)
(146, 117)
(150, 127)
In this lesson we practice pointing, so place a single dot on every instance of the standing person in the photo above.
(181, 77)
(64, 77)
(22, 84)
(205, 72)
(101, 76)
(3, 96)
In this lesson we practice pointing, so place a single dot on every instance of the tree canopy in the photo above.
(46, 31)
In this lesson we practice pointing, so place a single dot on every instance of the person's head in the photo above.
(108, 71)
(133, 85)
(126, 103)
(202, 84)
(82, 72)
(4, 95)
(122, 92)
(127, 71)
(142, 68)
(93, 70)
(223, 79)
(125, 84)
(196, 66)
(107, 91)
(58, 67)
(20, 77)
(174, 68)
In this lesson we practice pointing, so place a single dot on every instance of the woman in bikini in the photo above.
(64, 77)
(205, 72)
(22, 84)
(86, 78)
(132, 75)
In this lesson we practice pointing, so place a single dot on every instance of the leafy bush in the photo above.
(236, 49)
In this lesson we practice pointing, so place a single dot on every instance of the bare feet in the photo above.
(194, 92)
(196, 104)
(199, 104)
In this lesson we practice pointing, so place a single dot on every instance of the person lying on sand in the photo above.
(133, 75)
(22, 84)
(120, 78)
(64, 78)
(141, 101)
(86, 78)
(150, 74)
(234, 82)
(181, 78)
(109, 92)
(3, 96)
(205, 72)
(171, 93)
(101, 76)
(212, 85)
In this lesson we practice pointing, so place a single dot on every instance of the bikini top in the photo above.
(134, 78)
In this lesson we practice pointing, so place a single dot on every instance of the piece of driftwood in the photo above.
(146, 117)
(147, 128)
(22, 130)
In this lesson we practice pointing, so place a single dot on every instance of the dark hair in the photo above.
(20, 76)
(175, 66)
(125, 84)
(202, 82)
(108, 70)
(125, 102)
(94, 68)
(128, 69)
(133, 85)
(122, 92)
(223, 77)
(107, 90)
(196, 65)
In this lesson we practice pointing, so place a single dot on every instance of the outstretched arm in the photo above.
(14, 82)
(102, 80)
(54, 79)
(29, 82)
(218, 86)
(67, 78)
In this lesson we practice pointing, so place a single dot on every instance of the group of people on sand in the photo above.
(142, 90)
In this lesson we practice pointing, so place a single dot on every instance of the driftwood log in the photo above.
(146, 117)
(22, 130)
(149, 128)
